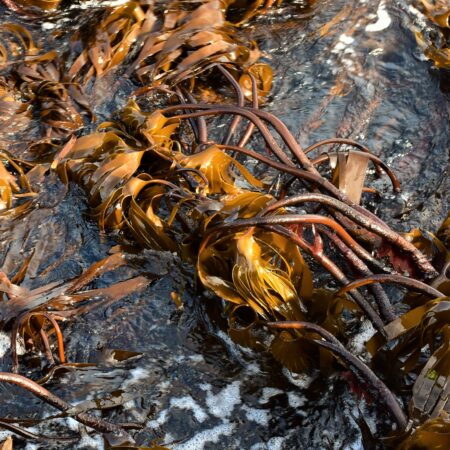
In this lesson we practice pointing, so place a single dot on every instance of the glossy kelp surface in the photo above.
(192, 189)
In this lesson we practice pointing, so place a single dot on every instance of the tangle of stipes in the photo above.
(164, 191)
(178, 190)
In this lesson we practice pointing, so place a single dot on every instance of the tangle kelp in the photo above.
(259, 216)
(438, 48)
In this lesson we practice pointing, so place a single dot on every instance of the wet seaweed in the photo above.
(160, 172)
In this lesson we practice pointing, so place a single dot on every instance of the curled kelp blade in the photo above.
(30, 309)
(15, 42)
(190, 43)
(150, 127)
(240, 205)
(422, 328)
(14, 185)
(173, 47)
(432, 387)
(433, 433)
(32, 8)
(243, 327)
(438, 52)
(328, 309)
(430, 245)
(443, 234)
(438, 12)
(218, 167)
(15, 114)
(294, 352)
(263, 75)
(7, 444)
(110, 42)
(257, 268)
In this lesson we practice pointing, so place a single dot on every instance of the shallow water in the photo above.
(191, 386)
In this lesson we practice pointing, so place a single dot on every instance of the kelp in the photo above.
(32, 8)
(433, 433)
(7, 444)
(16, 192)
(169, 49)
(16, 43)
(62, 106)
(32, 310)
(158, 172)
(264, 272)
(438, 48)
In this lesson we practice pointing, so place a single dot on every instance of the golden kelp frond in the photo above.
(433, 433)
(167, 45)
(103, 161)
(430, 245)
(32, 8)
(438, 11)
(15, 113)
(248, 9)
(190, 43)
(32, 309)
(423, 328)
(263, 75)
(444, 232)
(16, 43)
(14, 184)
(153, 129)
(257, 268)
(7, 444)
(122, 197)
(241, 205)
(440, 55)
(62, 106)
(135, 207)
(111, 43)
(217, 167)
(438, 50)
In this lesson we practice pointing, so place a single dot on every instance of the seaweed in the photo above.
(164, 174)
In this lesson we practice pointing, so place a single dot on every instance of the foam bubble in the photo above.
(267, 393)
(383, 22)
(222, 404)
(198, 441)
(190, 404)
(5, 343)
(260, 416)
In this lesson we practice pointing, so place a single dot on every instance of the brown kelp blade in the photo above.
(261, 269)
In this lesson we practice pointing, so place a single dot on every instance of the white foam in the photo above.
(198, 441)
(232, 347)
(88, 4)
(357, 344)
(4, 434)
(72, 424)
(160, 420)
(48, 26)
(137, 374)
(267, 393)
(222, 404)
(253, 368)
(300, 380)
(190, 404)
(383, 22)
(5, 343)
(276, 443)
(31, 446)
(295, 401)
(260, 416)
(95, 441)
